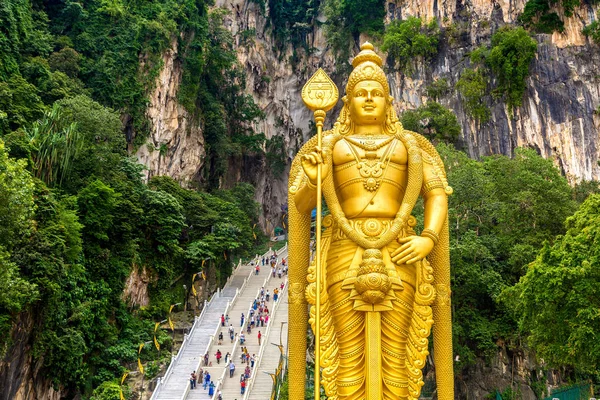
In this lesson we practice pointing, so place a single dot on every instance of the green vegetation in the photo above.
(347, 19)
(508, 60)
(76, 217)
(276, 155)
(434, 121)
(537, 16)
(501, 213)
(557, 301)
(68, 251)
(292, 20)
(438, 89)
(113, 53)
(593, 32)
(473, 87)
(406, 41)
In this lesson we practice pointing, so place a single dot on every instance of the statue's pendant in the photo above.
(371, 171)
(372, 281)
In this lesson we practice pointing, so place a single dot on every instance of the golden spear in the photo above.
(319, 95)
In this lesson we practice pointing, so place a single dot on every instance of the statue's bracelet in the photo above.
(430, 233)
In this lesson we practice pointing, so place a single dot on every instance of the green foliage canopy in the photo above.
(501, 212)
(433, 120)
(557, 300)
(407, 40)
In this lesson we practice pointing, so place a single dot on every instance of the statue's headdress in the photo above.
(367, 66)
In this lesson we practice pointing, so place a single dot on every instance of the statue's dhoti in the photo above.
(404, 321)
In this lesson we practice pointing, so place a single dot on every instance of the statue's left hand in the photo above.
(412, 249)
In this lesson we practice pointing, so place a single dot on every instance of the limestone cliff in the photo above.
(557, 117)
(176, 145)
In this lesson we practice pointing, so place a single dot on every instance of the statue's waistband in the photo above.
(372, 228)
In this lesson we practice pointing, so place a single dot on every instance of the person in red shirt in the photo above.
(243, 385)
(259, 336)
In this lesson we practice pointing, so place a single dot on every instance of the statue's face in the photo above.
(368, 104)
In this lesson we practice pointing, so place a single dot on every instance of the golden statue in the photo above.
(382, 286)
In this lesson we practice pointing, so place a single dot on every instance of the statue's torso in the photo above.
(376, 188)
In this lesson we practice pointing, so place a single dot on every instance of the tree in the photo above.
(16, 219)
(558, 300)
(408, 40)
(54, 145)
(501, 212)
(432, 120)
(509, 59)
(472, 86)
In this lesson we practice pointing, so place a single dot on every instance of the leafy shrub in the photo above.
(347, 19)
(406, 40)
(593, 32)
(537, 16)
(65, 60)
(437, 89)
(472, 85)
(292, 20)
(276, 155)
(509, 59)
(432, 120)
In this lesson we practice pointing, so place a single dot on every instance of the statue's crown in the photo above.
(367, 66)
(367, 53)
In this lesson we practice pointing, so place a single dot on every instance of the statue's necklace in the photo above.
(371, 168)
(369, 144)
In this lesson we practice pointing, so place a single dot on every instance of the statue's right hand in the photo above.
(310, 164)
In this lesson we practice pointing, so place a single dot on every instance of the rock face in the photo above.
(557, 117)
(136, 287)
(176, 145)
(563, 91)
(21, 378)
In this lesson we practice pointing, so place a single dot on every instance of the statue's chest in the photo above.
(371, 154)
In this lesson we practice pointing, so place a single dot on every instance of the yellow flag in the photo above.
(123, 377)
(156, 326)
(121, 397)
(203, 262)
(141, 347)
(194, 292)
(203, 276)
(254, 234)
(171, 308)
(140, 366)
(283, 222)
(156, 343)
(171, 325)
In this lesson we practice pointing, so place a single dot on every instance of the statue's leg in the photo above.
(350, 328)
(394, 336)
(349, 324)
